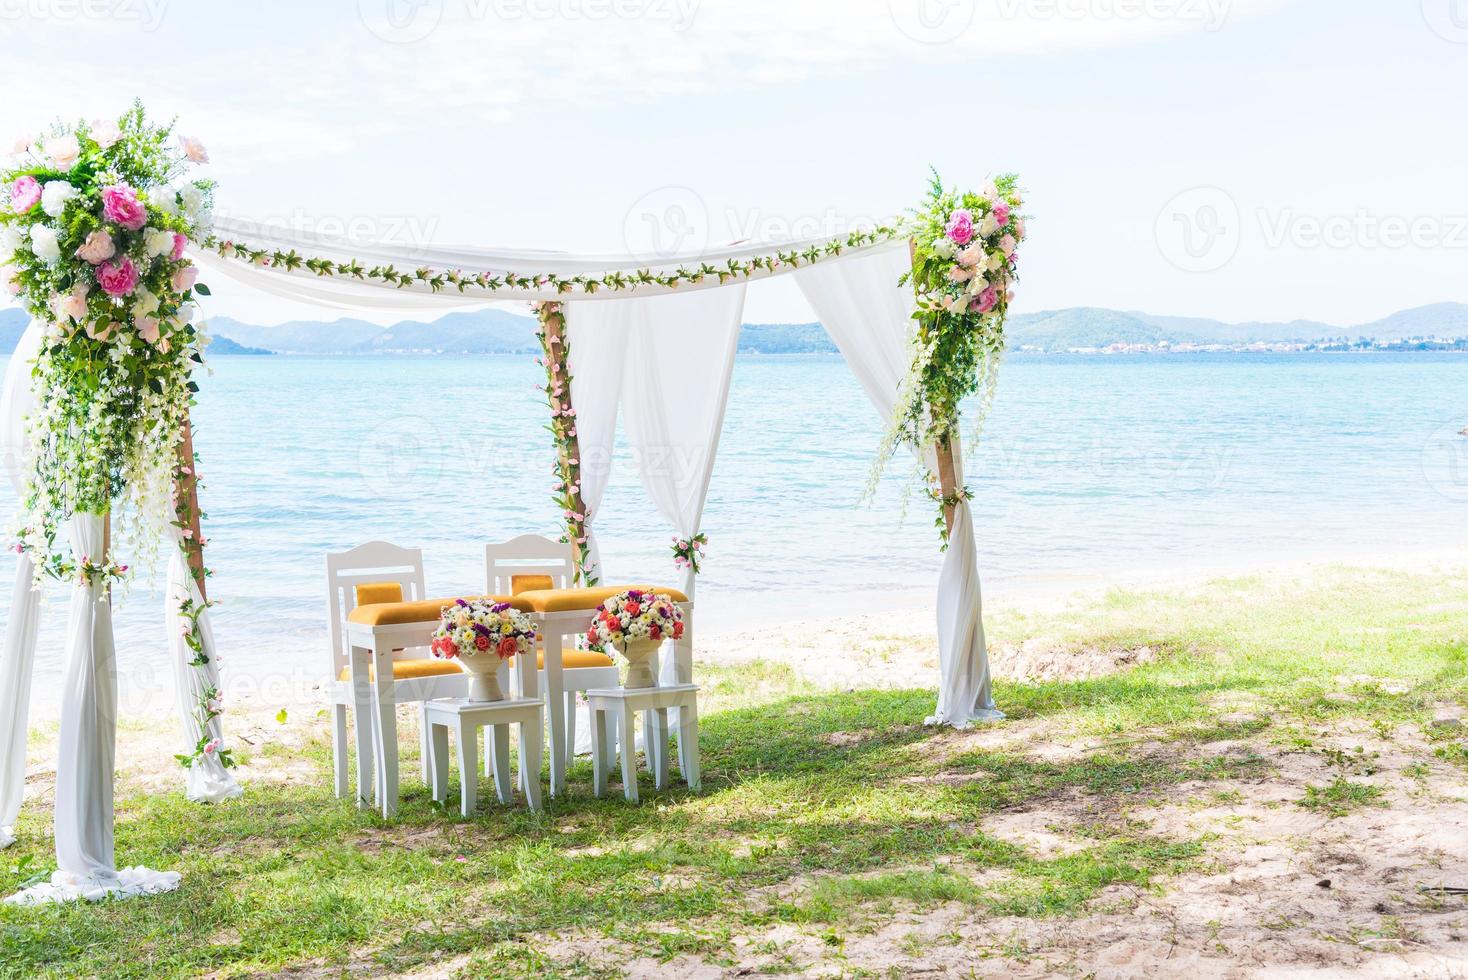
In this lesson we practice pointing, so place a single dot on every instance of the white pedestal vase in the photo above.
(639, 654)
(484, 677)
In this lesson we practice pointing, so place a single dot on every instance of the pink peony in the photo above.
(985, 301)
(193, 149)
(70, 306)
(118, 278)
(98, 248)
(1001, 213)
(180, 243)
(184, 279)
(25, 194)
(148, 329)
(961, 227)
(120, 204)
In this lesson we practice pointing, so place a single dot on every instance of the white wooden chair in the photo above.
(532, 562)
(380, 572)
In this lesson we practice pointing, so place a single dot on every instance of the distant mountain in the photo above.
(500, 332)
(223, 345)
(785, 338)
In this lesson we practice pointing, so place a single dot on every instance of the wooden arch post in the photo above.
(186, 502)
(947, 472)
(556, 348)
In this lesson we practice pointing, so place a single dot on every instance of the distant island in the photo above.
(1082, 330)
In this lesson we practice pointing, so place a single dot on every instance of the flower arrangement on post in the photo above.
(479, 635)
(92, 241)
(633, 624)
(688, 552)
(964, 261)
(556, 359)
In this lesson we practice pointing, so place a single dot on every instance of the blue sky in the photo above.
(1243, 159)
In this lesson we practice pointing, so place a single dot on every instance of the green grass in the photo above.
(793, 826)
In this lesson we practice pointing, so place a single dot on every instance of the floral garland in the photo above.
(556, 359)
(92, 240)
(964, 262)
(688, 552)
(437, 280)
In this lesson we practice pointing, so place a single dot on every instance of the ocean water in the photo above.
(1090, 468)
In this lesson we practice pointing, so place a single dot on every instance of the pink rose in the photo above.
(148, 329)
(972, 256)
(102, 332)
(118, 278)
(179, 244)
(961, 227)
(1001, 213)
(193, 149)
(184, 279)
(72, 305)
(98, 248)
(12, 280)
(120, 204)
(211, 746)
(25, 194)
(105, 132)
(1019, 227)
(1007, 245)
(958, 273)
(985, 301)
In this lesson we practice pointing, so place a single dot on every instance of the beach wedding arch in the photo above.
(103, 232)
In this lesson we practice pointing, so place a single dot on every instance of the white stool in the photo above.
(466, 718)
(653, 702)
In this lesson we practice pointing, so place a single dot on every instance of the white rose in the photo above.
(145, 305)
(989, 225)
(943, 248)
(44, 244)
(11, 238)
(63, 151)
(54, 197)
(166, 201)
(105, 132)
(158, 242)
(193, 200)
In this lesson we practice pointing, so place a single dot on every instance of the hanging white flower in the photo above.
(166, 200)
(55, 195)
(158, 241)
(11, 238)
(44, 244)
(146, 304)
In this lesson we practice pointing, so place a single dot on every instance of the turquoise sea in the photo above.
(1091, 468)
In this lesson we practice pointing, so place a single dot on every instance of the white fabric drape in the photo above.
(87, 746)
(25, 601)
(598, 343)
(208, 780)
(344, 292)
(859, 302)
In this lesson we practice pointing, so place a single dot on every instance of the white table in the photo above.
(465, 718)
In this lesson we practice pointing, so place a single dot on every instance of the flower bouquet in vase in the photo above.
(480, 636)
(632, 625)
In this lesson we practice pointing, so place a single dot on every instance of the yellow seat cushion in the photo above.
(567, 600)
(371, 593)
(407, 670)
(423, 611)
(531, 583)
(572, 659)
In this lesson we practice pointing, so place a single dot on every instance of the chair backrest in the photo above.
(529, 554)
(374, 562)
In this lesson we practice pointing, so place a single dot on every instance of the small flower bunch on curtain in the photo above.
(965, 260)
(688, 552)
(93, 231)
